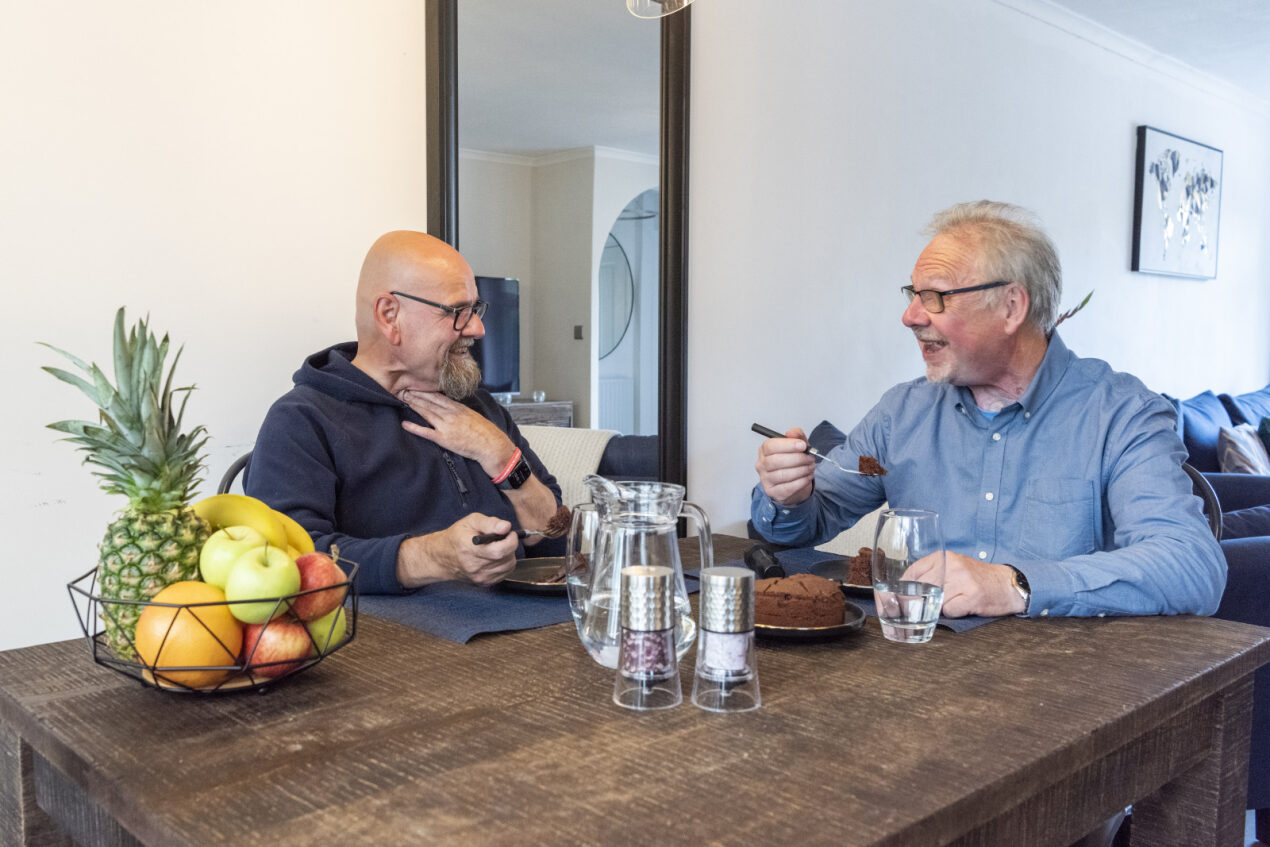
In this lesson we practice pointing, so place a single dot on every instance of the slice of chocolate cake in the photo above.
(802, 600)
(860, 568)
(869, 467)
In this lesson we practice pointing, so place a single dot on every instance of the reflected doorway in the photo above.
(626, 321)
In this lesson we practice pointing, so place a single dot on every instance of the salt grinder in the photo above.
(727, 677)
(647, 668)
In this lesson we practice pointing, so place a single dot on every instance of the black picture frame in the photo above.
(1176, 205)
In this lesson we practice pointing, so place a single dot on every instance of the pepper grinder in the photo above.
(647, 668)
(727, 676)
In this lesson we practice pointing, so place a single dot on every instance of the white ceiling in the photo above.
(537, 76)
(542, 75)
(1228, 39)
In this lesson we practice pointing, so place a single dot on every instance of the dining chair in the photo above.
(235, 469)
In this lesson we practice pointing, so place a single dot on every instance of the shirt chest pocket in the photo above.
(1058, 518)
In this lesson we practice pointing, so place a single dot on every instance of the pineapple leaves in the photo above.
(137, 443)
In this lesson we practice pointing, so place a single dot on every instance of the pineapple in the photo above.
(141, 453)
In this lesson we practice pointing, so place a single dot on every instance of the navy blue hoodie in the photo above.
(332, 454)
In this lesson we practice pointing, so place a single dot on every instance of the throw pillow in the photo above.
(1239, 450)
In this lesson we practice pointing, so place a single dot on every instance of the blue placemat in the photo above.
(459, 610)
(802, 560)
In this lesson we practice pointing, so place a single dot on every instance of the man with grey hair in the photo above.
(386, 446)
(1058, 481)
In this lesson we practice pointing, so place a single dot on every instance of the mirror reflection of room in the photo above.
(558, 106)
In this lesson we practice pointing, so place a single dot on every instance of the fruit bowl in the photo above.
(256, 666)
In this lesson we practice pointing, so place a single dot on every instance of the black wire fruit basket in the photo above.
(269, 653)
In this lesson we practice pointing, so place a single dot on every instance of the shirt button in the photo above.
(996, 436)
(784, 511)
(1027, 414)
(983, 554)
(1044, 612)
(988, 496)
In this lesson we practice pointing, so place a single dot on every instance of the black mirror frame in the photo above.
(441, 25)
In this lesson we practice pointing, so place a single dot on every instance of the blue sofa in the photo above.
(1200, 419)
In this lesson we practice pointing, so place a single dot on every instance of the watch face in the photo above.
(517, 477)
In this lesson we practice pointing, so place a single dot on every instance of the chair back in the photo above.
(1204, 491)
(234, 470)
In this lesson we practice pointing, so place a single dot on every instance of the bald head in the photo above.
(413, 262)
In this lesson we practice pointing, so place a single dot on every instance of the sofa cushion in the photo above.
(825, 437)
(630, 457)
(1200, 420)
(1248, 408)
(1239, 450)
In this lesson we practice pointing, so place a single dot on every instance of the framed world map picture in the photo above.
(1177, 205)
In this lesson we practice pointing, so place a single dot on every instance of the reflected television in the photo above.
(498, 353)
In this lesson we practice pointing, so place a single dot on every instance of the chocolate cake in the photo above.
(802, 600)
(559, 523)
(869, 467)
(860, 568)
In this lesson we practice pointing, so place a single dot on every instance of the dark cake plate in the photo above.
(853, 621)
(536, 576)
(836, 569)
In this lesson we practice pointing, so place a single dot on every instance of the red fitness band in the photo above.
(511, 464)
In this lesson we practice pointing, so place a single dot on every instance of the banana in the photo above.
(222, 510)
(296, 536)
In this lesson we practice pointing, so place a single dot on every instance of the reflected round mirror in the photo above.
(617, 296)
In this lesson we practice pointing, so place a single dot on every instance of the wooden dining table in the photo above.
(1018, 732)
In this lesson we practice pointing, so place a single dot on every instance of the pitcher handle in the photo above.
(704, 540)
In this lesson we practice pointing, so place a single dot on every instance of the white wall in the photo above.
(563, 204)
(620, 177)
(823, 141)
(544, 220)
(222, 167)
(496, 233)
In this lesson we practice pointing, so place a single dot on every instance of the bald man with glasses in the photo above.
(1058, 481)
(388, 448)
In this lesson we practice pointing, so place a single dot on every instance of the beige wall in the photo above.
(222, 167)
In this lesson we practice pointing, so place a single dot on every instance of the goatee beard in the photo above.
(460, 375)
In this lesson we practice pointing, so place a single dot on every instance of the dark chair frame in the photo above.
(234, 470)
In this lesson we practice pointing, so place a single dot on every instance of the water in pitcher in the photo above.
(598, 628)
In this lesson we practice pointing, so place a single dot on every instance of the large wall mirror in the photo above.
(556, 129)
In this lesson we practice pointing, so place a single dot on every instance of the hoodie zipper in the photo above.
(454, 472)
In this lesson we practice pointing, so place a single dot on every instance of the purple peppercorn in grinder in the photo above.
(647, 668)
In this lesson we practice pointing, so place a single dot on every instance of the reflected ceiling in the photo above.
(557, 74)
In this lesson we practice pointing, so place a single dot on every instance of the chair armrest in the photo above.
(1240, 490)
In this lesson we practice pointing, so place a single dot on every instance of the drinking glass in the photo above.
(908, 574)
(579, 550)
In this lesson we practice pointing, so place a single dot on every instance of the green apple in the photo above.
(266, 574)
(328, 629)
(223, 549)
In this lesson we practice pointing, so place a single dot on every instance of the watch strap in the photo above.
(1021, 585)
(515, 477)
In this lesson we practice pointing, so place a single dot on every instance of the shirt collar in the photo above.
(1053, 365)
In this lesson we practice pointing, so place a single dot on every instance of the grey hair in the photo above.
(1012, 246)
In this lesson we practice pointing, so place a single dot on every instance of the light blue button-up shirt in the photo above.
(1079, 485)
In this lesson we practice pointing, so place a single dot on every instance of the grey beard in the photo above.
(460, 377)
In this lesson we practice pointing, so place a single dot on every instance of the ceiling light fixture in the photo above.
(655, 8)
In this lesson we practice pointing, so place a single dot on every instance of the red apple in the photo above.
(318, 570)
(282, 641)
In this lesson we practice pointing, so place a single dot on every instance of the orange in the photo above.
(183, 636)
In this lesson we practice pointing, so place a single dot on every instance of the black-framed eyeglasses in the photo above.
(462, 314)
(933, 301)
